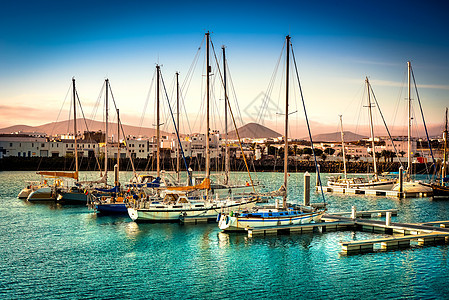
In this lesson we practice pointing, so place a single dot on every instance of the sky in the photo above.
(43, 44)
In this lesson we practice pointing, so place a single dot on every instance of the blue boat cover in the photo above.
(155, 183)
(115, 189)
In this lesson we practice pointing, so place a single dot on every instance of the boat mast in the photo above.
(284, 203)
(74, 128)
(118, 148)
(409, 144)
(343, 146)
(177, 125)
(208, 69)
(158, 157)
(227, 168)
(443, 168)
(372, 130)
(106, 135)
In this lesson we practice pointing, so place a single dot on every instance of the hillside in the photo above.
(254, 131)
(64, 127)
(336, 137)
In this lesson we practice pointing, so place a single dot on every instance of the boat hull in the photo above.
(24, 193)
(73, 197)
(236, 223)
(190, 211)
(42, 194)
(112, 208)
(379, 185)
(440, 192)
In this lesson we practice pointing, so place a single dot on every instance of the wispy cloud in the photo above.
(14, 115)
(377, 82)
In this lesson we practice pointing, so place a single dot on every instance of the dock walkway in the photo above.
(429, 233)
(369, 192)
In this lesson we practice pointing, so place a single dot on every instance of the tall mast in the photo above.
(443, 168)
(158, 157)
(372, 129)
(409, 144)
(207, 107)
(74, 128)
(227, 168)
(177, 125)
(343, 146)
(106, 135)
(284, 204)
(118, 148)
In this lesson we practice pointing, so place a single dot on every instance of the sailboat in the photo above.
(77, 194)
(442, 190)
(50, 193)
(273, 215)
(173, 203)
(410, 185)
(362, 183)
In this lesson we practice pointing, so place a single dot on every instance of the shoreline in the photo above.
(262, 165)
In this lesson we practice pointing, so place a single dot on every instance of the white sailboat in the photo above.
(363, 183)
(273, 215)
(173, 203)
(410, 185)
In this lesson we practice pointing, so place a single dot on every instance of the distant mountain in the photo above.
(64, 127)
(336, 137)
(254, 131)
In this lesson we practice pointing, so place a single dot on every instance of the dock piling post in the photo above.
(353, 212)
(388, 218)
(401, 180)
(317, 181)
(306, 189)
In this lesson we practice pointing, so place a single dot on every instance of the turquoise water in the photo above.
(50, 251)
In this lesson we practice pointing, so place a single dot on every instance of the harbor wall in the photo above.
(262, 165)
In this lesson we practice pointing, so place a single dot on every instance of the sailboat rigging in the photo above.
(173, 203)
(362, 182)
(410, 185)
(261, 216)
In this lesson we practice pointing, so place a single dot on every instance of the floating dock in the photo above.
(333, 221)
(197, 220)
(369, 192)
(301, 228)
(403, 234)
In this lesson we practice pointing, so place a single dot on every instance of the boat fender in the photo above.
(227, 220)
(218, 217)
(231, 213)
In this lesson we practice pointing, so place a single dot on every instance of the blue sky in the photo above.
(337, 43)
